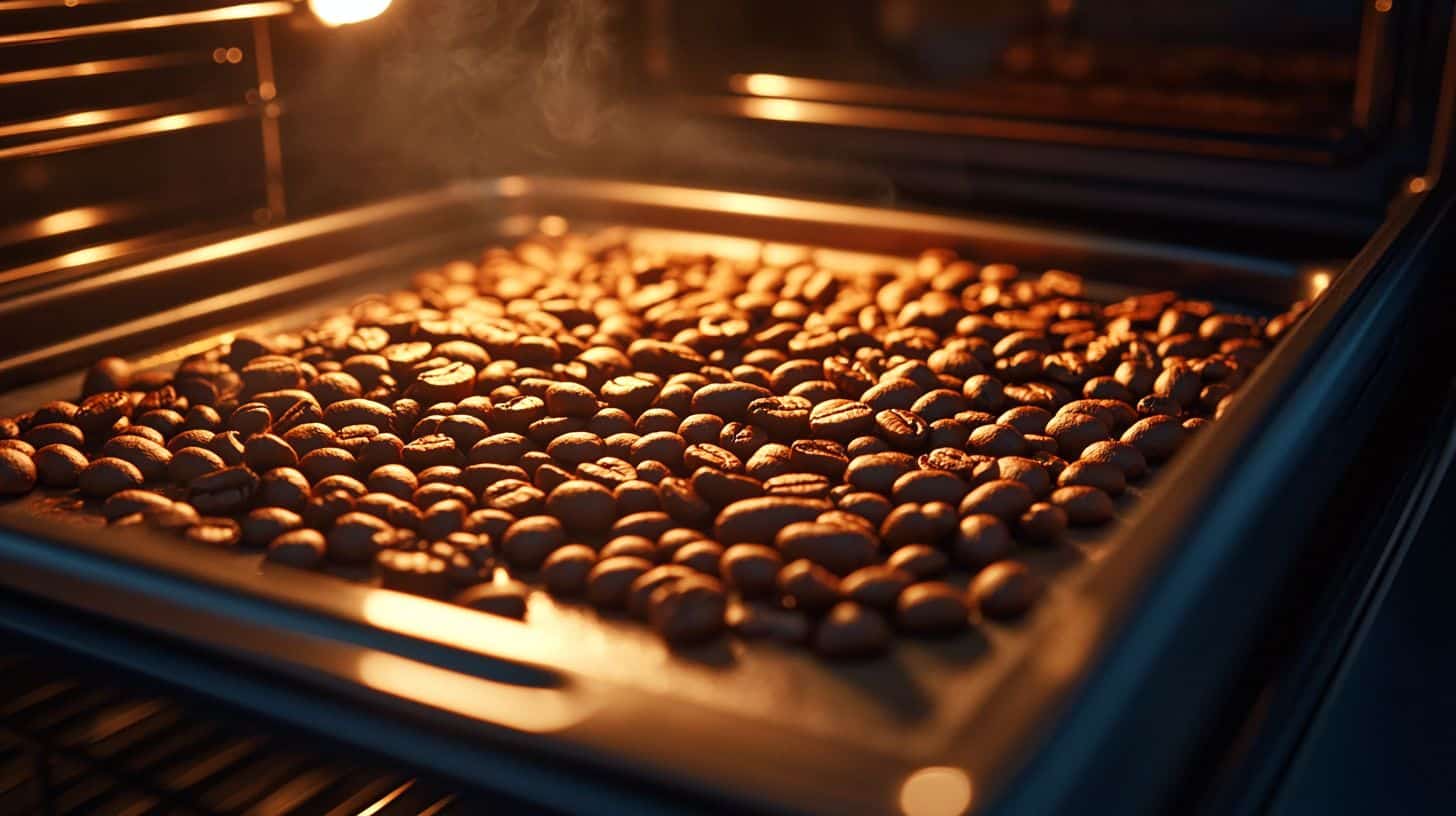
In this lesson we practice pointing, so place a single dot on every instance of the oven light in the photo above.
(936, 791)
(344, 12)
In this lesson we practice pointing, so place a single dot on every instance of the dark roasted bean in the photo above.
(127, 502)
(565, 571)
(610, 582)
(808, 587)
(101, 478)
(1005, 590)
(760, 621)
(931, 608)
(688, 611)
(215, 532)
(852, 631)
(1084, 505)
(1043, 523)
(1156, 437)
(582, 506)
(55, 466)
(875, 586)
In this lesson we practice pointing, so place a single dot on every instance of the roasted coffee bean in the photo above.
(282, 487)
(634, 545)
(758, 520)
(663, 446)
(840, 549)
(1043, 523)
(921, 486)
(1122, 455)
(808, 587)
(841, 420)
(1005, 590)
(1104, 476)
(99, 479)
(876, 586)
(871, 507)
(565, 571)
(997, 440)
(609, 583)
(582, 506)
(729, 400)
(711, 456)
(171, 516)
(155, 425)
(443, 518)
(931, 608)
(505, 599)
(527, 542)
(750, 569)
(98, 413)
(689, 610)
(982, 539)
(1074, 432)
(851, 630)
(127, 502)
(215, 532)
(429, 451)
(918, 524)
(222, 492)
(326, 462)
(919, 561)
(1156, 437)
(106, 374)
(1027, 471)
(760, 621)
(149, 457)
(17, 445)
(228, 447)
(55, 466)
(417, 572)
(1084, 505)
(196, 438)
(770, 461)
(54, 433)
(877, 472)
(351, 540)
(903, 429)
(250, 418)
(1003, 498)
(263, 525)
(657, 420)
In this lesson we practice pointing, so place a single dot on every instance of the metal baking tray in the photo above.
(573, 695)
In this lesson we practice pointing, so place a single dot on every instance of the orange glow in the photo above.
(1383, 6)
(936, 791)
(1319, 281)
(764, 84)
(346, 12)
(524, 708)
(1416, 185)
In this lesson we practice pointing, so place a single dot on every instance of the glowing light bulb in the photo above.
(344, 12)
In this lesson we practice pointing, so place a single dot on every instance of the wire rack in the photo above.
(72, 745)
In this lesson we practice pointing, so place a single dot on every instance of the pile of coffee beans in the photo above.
(791, 453)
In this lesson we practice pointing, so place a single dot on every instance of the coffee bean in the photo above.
(1156, 437)
(1027, 471)
(1122, 455)
(527, 542)
(155, 425)
(770, 461)
(263, 525)
(758, 520)
(750, 569)
(688, 611)
(1084, 505)
(1005, 590)
(351, 540)
(903, 429)
(505, 599)
(931, 608)
(149, 457)
(1104, 476)
(303, 548)
(760, 621)
(582, 506)
(876, 586)
(877, 472)
(54, 433)
(17, 445)
(808, 587)
(920, 486)
(1043, 523)
(841, 420)
(55, 466)
(418, 573)
(639, 596)
(282, 487)
(1003, 498)
(106, 374)
(98, 413)
(997, 440)
(171, 516)
(918, 524)
(851, 630)
(610, 581)
(565, 571)
(127, 502)
(982, 539)
(223, 533)
(99, 479)
(919, 561)
(840, 549)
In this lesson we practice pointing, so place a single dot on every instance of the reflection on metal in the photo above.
(74, 220)
(246, 11)
(346, 12)
(87, 255)
(825, 113)
(1416, 185)
(91, 118)
(136, 130)
(524, 708)
(26, 5)
(936, 791)
(1319, 281)
(272, 138)
(102, 67)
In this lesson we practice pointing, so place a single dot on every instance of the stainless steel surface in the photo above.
(769, 722)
